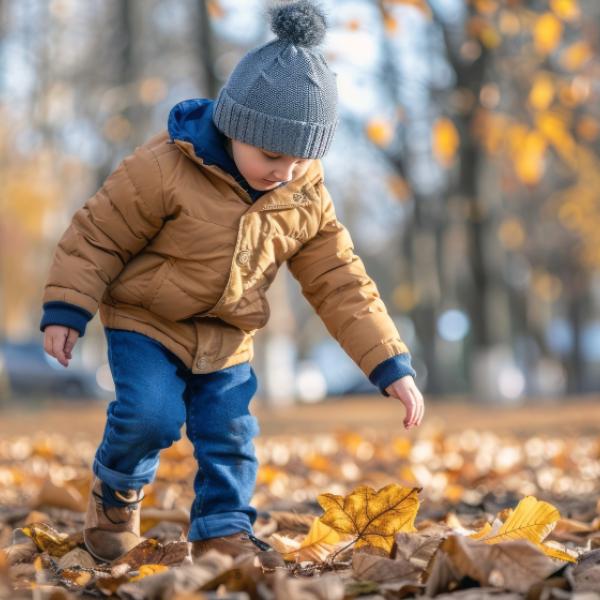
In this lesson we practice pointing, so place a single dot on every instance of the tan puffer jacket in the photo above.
(176, 250)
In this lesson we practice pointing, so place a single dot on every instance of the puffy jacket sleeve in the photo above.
(106, 232)
(335, 282)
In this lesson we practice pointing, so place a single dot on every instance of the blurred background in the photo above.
(466, 167)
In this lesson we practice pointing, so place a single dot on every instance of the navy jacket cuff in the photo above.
(65, 314)
(391, 369)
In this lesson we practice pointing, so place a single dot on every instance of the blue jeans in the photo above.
(155, 395)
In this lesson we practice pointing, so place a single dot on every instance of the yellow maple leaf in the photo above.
(372, 517)
(318, 544)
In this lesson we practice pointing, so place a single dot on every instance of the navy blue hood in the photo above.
(191, 121)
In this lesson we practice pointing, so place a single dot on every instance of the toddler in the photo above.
(176, 251)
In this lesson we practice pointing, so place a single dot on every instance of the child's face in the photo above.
(265, 170)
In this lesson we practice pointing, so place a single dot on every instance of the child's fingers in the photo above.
(58, 344)
(410, 405)
(420, 407)
(70, 343)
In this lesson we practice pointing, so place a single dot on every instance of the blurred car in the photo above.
(30, 371)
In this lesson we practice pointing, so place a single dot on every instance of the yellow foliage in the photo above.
(547, 33)
(380, 132)
(528, 158)
(531, 520)
(568, 10)
(318, 543)
(576, 55)
(554, 128)
(372, 517)
(146, 570)
(445, 141)
(542, 91)
(47, 539)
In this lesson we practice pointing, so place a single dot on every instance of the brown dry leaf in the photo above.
(109, 585)
(515, 565)
(151, 552)
(372, 517)
(586, 574)
(22, 552)
(382, 569)
(416, 548)
(244, 575)
(48, 539)
(292, 521)
(76, 577)
(185, 579)
(78, 557)
(325, 587)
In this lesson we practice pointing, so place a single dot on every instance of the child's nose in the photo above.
(284, 173)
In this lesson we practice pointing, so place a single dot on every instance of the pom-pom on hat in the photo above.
(282, 96)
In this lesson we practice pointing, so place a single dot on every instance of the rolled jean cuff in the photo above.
(124, 481)
(218, 524)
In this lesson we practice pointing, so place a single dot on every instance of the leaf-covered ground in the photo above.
(445, 512)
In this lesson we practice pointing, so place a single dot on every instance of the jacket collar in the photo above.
(191, 127)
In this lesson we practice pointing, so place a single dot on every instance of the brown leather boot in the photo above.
(234, 545)
(111, 531)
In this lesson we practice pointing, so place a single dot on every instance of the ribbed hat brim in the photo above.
(296, 138)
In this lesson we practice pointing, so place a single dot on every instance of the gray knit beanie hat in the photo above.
(282, 96)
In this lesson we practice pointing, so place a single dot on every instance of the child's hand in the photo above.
(408, 393)
(59, 341)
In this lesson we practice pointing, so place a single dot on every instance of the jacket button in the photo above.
(243, 257)
(298, 197)
(201, 363)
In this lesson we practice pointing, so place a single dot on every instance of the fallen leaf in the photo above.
(146, 570)
(325, 587)
(416, 548)
(515, 565)
(372, 517)
(78, 557)
(49, 539)
(381, 569)
(151, 552)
